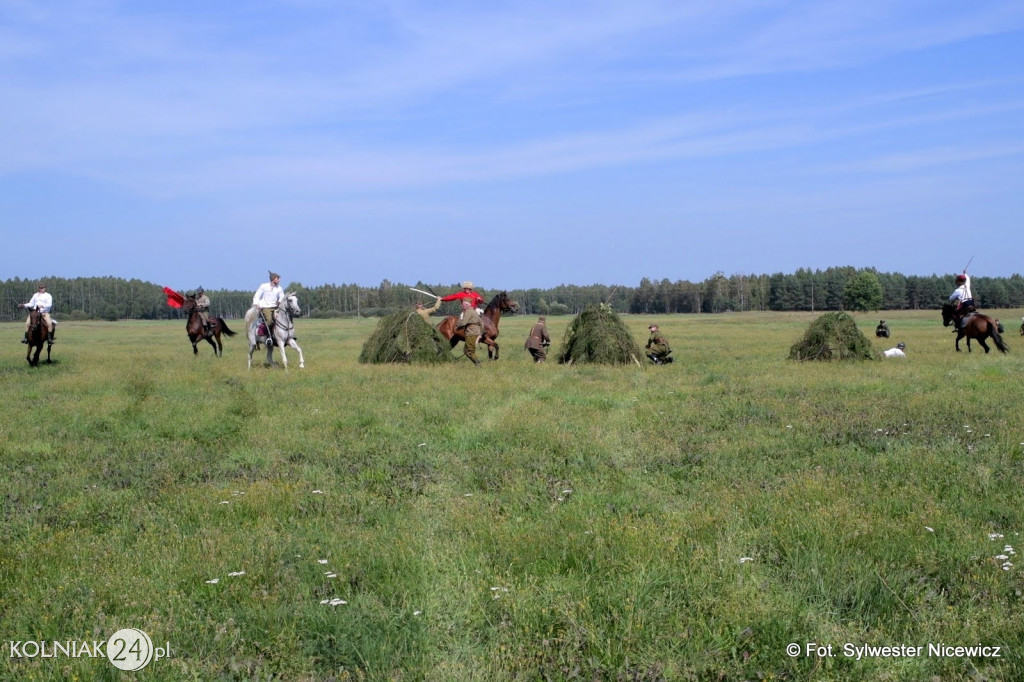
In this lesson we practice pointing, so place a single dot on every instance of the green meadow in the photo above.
(516, 521)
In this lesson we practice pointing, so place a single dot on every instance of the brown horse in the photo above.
(195, 331)
(38, 334)
(492, 314)
(977, 326)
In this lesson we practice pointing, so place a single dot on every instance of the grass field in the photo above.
(516, 521)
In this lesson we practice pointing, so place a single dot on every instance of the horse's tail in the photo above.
(1000, 344)
(224, 327)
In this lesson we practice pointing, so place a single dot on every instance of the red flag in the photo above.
(174, 299)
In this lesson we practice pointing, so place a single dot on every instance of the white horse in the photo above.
(284, 330)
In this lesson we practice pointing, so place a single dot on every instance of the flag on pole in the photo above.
(174, 299)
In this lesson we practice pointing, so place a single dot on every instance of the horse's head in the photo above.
(947, 314)
(506, 303)
(189, 303)
(291, 303)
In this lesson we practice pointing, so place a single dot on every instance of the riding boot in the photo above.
(25, 340)
(50, 340)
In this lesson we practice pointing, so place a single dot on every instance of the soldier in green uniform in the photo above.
(657, 347)
(424, 311)
(470, 322)
(538, 340)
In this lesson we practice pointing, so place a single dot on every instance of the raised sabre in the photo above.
(420, 291)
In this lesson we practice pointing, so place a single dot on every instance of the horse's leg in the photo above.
(302, 360)
(211, 342)
(981, 340)
(48, 347)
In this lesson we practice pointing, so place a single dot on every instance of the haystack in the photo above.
(598, 335)
(404, 337)
(833, 336)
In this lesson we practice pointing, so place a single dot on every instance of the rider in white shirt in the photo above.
(962, 297)
(268, 297)
(42, 301)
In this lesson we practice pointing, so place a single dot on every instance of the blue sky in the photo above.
(517, 144)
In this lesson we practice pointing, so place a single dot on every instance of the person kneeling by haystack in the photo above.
(657, 347)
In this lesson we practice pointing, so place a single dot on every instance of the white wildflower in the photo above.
(745, 559)
(213, 582)
(235, 574)
(321, 561)
(929, 529)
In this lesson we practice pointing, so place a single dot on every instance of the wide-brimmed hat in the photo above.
(467, 284)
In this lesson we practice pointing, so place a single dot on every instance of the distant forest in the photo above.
(113, 298)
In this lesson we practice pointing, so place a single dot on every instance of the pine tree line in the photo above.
(114, 298)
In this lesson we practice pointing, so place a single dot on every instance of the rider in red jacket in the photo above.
(466, 294)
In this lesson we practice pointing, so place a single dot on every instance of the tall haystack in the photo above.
(833, 336)
(598, 335)
(405, 337)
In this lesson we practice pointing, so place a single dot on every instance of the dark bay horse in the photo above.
(492, 314)
(38, 334)
(195, 331)
(978, 327)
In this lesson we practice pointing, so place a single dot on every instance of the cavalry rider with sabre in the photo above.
(44, 302)
(962, 297)
(466, 294)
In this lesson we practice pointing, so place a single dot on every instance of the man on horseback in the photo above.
(203, 308)
(467, 294)
(267, 298)
(882, 330)
(962, 298)
(44, 303)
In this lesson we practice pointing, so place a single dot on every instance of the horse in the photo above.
(38, 334)
(978, 327)
(284, 330)
(195, 331)
(492, 314)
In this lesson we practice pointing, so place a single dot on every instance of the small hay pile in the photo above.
(404, 337)
(833, 336)
(598, 335)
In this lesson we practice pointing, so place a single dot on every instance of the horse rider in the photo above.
(44, 303)
(657, 347)
(467, 294)
(896, 352)
(203, 308)
(538, 340)
(962, 298)
(473, 326)
(267, 298)
(424, 312)
(882, 330)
